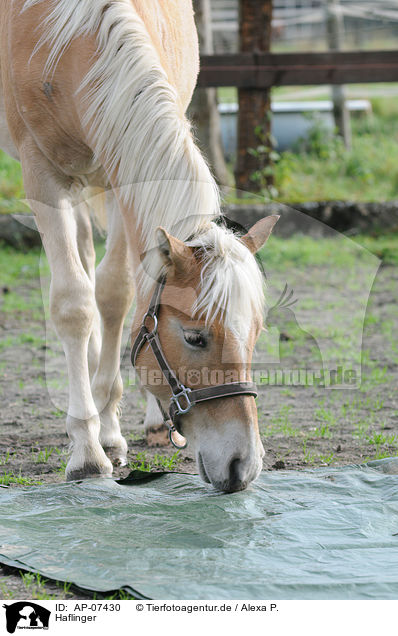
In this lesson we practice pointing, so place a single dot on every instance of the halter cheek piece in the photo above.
(182, 398)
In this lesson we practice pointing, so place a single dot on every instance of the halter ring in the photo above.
(176, 397)
(155, 323)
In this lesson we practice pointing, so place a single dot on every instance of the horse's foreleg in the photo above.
(114, 294)
(86, 248)
(72, 307)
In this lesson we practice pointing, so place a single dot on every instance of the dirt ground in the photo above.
(301, 426)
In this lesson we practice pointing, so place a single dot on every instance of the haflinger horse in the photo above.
(93, 97)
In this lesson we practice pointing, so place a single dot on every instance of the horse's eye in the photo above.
(195, 339)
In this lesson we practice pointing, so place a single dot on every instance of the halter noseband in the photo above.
(183, 398)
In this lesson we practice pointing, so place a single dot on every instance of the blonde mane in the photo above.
(133, 116)
(134, 122)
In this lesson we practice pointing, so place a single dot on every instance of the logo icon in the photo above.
(26, 615)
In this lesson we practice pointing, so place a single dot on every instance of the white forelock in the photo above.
(231, 282)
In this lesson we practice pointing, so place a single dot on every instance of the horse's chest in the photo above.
(48, 112)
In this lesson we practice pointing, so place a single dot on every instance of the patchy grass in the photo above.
(7, 479)
(281, 423)
(22, 339)
(339, 252)
(11, 186)
(18, 267)
(148, 464)
(5, 459)
(42, 456)
(35, 586)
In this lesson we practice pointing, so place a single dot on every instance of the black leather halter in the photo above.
(183, 398)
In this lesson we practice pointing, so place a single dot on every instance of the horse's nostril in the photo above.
(234, 470)
(235, 481)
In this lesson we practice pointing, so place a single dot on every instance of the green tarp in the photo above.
(313, 534)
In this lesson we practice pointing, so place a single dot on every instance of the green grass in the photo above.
(5, 458)
(339, 252)
(11, 187)
(23, 303)
(309, 457)
(143, 462)
(42, 456)
(7, 479)
(16, 266)
(322, 169)
(384, 247)
(281, 424)
(18, 341)
(327, 416)
(35, 586)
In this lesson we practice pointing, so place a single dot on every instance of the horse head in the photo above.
(209, 318)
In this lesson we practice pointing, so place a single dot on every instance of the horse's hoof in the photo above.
(88, 471)
(118, 460)
(116, 450)
(157, 436)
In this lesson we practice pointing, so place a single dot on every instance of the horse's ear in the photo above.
(258, 235)
(172, 250)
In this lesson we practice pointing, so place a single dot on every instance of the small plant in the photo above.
(361, 428)
(320, 141)
(380, 439)
(378, 375)
(381, 454)
(146, 464)
(43, 456)
(62, 467)
(4, 460)
(58, 413)
(326, 459)
(120, 595)
(5, 592)
(6, 479)
(288, 393)
(377, 438)
(309, 456)
(281, 424)
(35, 586)
(134, 437)
(66, 587)
(323, 431)
(325, 415)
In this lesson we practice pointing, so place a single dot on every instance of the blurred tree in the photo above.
(254, 123)
(335, 36)
(204, 108)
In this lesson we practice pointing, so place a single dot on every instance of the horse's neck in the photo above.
(135, 125)
(160, 179)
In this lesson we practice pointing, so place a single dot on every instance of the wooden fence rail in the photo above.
(263, 70)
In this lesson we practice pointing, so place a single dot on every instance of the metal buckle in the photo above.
(174, 436)
(155, 324)
(176, 399)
